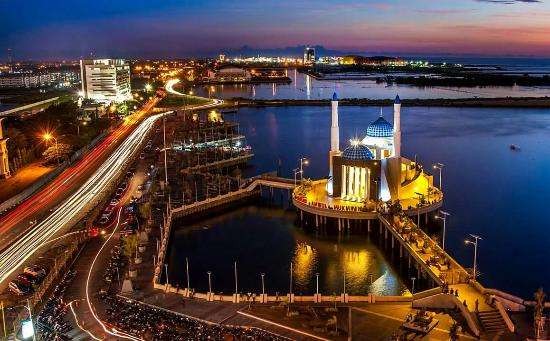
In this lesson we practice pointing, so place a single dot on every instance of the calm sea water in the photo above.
(266, 240)
(491, 191)
(305, 87)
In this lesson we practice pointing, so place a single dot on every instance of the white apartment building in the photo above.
(105, 80)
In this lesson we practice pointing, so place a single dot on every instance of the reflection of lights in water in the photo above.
(295, 80)
(253, 91)
(305, 262)
(308, 86)
(274, 90)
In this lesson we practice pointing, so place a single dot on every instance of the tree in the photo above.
(56, 151)
(130, 246)
(145, 210)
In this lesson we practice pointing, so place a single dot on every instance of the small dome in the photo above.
(357, 152)
(380, 128)
(397, 100)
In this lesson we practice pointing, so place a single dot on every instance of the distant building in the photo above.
(309, 56)
(29, 80)
(105, 80)
(229, 74)
(221, 58)
(373, 61)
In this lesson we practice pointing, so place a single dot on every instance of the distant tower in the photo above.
(309, 55)
(334, 139)
(397, 126)
(4, 161)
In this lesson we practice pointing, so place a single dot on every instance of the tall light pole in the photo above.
(296, 171)
(187, 273)
(263, 283)
(420, 195)
(317, 275)
(303, 161)
(443, 216)
(412, 289)
(236, 286)
(166, 271)
(474, 243)
(439, 166)
(209, 281)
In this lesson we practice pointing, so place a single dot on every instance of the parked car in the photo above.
(19, 288)
(35, 270)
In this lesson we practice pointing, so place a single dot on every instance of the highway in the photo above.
(20, 243)
(16, 221)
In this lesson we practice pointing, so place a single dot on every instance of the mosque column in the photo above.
(350, 181)
(344, 182)
(357, 184)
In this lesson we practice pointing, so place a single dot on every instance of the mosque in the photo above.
(370, 170)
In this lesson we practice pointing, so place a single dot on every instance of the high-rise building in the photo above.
(105, 80)
(309, 56)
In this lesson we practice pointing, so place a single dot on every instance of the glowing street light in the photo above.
(474, 243)
(148, 87)
(303, 161)
(443, 216)
(439, 166)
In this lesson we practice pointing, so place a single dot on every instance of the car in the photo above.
(35, 270)
(119, 192)
(19, 288)
(103, 221)
(30, 279)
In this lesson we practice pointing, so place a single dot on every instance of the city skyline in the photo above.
(174, 28)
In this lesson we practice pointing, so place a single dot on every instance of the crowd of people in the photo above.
(151, 323)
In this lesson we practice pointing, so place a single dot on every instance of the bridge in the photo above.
(33, 108)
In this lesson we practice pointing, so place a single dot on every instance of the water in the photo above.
(266, 240)
(305, 87)
(490, 190)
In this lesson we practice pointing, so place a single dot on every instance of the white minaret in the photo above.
(334, 140)
(397, 126)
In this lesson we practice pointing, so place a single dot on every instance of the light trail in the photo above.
(114, 332)
(17, 253)
(78, 323)
(169, 86)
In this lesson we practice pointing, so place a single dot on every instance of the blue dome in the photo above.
(357, 152)
(380, 128)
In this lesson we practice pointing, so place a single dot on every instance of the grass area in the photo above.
(179, 101)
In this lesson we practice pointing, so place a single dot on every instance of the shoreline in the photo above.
(498, 102)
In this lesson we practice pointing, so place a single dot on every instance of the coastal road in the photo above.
(21, 246)
(17, 221)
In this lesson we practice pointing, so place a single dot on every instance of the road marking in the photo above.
(282, 326)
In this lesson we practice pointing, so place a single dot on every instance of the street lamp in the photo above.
(296, 171)
(48, 137)
(263, 283)
(420, 196)
(303, 161)
(412, 289)
(148, 87)
(439, 166)
(474, 243)
(443, 216)
(209, 281)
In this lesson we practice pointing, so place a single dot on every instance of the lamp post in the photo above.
(263, 283)
(166, 272)
(474, 243)
(296, 171)
(187, 274)
(317, 276)
(303, 161)
(420, 195)
(443, 216)
(439, 166)
(412, 289)
(209, 281)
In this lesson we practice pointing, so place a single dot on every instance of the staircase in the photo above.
(492, 321)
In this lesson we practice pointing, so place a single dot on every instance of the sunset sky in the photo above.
(43, 29)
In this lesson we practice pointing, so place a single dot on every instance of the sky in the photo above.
(46, 29)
